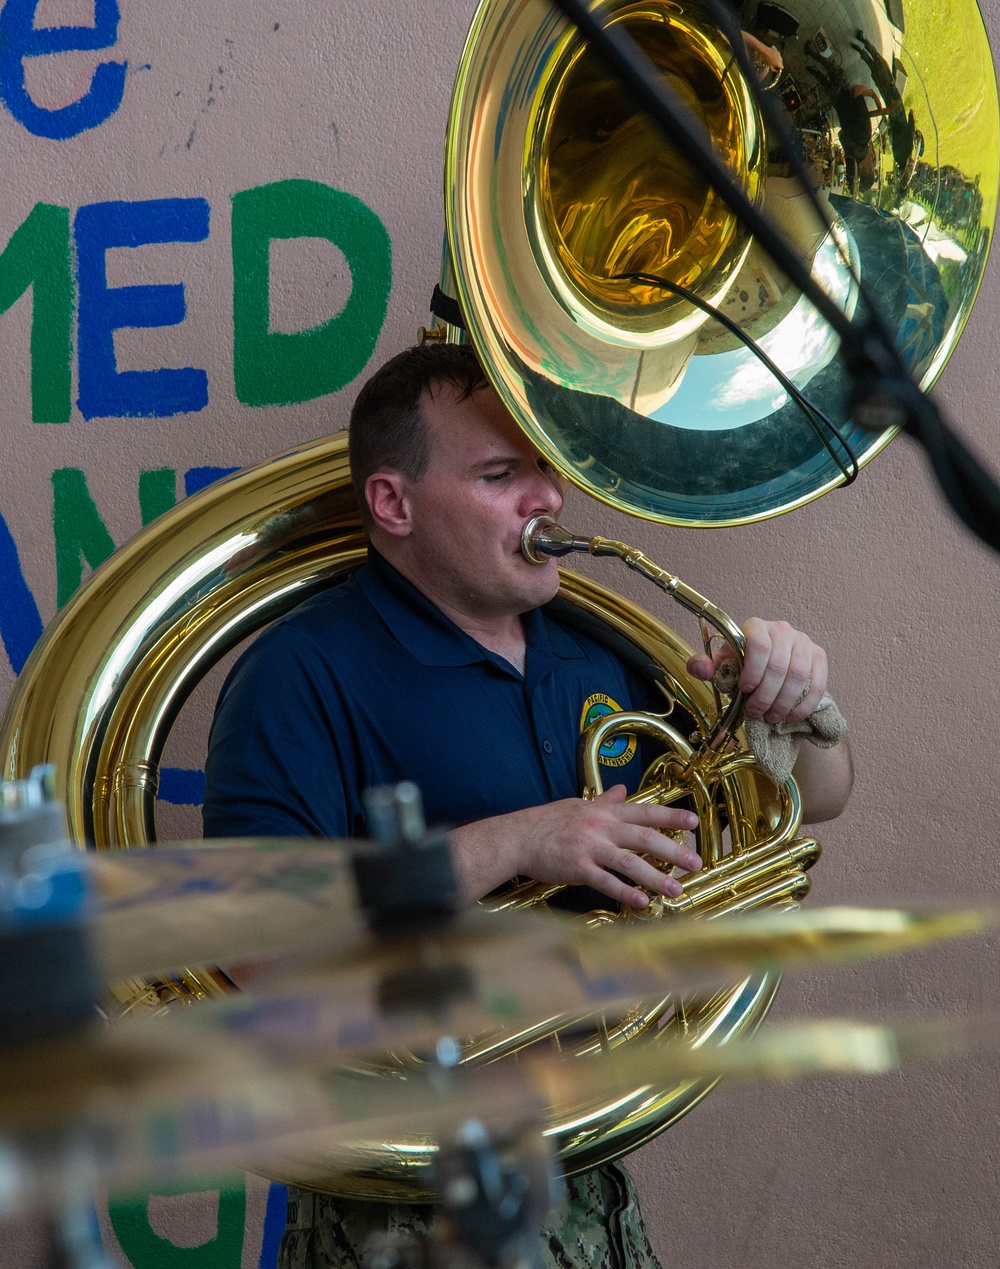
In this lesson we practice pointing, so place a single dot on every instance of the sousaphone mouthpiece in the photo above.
(543, 536)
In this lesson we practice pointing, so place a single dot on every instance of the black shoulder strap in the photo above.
(447, 309)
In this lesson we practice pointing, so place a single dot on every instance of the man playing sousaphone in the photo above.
(437, 663)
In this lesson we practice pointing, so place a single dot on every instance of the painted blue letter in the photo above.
(20, 623)
(104, 391)
(19, 39)
(196, 478)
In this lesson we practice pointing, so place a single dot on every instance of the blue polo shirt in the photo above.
(369, 683)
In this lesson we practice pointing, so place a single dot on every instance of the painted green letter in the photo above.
(157, 492)
(37, 255)
(147, 1250)
(80, 532)
(272, 368)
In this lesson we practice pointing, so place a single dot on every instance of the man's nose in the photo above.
(546, 492)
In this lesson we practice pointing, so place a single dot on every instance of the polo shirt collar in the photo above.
(541, 631)
(433, 638)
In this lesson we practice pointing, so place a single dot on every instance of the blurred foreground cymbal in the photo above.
(123, 1104)
(425, 1104)
(159, 1099)
(223, 901)
(778, 1053)
(224, 1083)
(167, 1096)
(807, 938)
(478, 975)
(208, 902)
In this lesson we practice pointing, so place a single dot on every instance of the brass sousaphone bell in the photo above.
(571, 226)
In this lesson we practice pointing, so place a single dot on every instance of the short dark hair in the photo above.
(387, 426)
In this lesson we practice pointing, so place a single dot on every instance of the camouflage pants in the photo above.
(600, 1227)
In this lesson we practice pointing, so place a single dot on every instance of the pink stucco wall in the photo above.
(897, 1171)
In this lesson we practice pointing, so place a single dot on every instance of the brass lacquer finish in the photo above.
(103, 686)
(759, 866)
(556, 186)
(533, 113)
(614, 201)
(101, 690)
(558, 194)
(135, 639)
(747, 837)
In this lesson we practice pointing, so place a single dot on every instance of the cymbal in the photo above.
(257, 898)
(157, 1097)
(116, 1105)
(778, 1053)
(350, 995)
(368, 994)
(190, 903)
(120, 1105)
(805, 938)
(426, 1104)
(227, 1081)
(123, 1104)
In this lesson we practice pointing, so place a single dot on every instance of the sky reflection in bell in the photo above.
(721, 391)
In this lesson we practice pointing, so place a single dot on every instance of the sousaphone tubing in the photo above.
(569, 220)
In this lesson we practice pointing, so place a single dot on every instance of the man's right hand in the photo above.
(578, 843)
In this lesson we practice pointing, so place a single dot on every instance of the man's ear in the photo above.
(386, 494)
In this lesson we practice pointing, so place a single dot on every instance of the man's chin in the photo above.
(541, 591)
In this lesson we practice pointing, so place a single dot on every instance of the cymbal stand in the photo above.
(496, 1185)
(47, 990)
(498, 1182)
(73, 1234)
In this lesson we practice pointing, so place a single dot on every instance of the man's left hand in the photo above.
(784, 672)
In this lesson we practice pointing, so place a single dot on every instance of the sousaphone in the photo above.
(589, 263)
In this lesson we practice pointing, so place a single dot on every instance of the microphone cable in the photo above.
(820, 422)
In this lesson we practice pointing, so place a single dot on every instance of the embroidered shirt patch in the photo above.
(617, 750)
